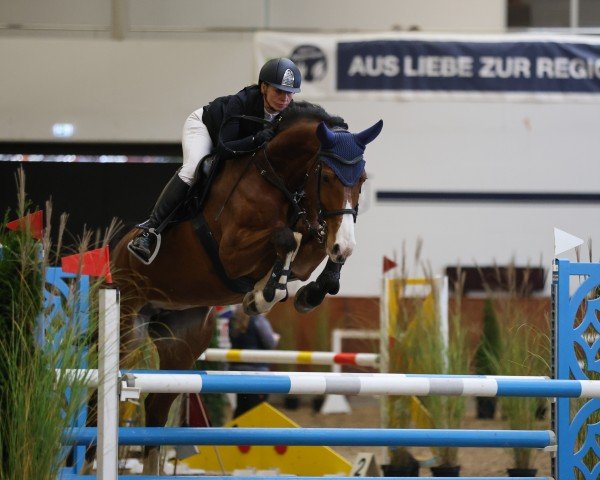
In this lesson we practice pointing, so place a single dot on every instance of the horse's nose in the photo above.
(339, 254)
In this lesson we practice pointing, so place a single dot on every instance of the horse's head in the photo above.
(341, 175)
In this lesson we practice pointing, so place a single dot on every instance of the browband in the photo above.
(338, 158)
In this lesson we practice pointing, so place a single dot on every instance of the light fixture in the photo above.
(63, 130)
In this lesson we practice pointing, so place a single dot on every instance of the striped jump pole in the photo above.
(358, 384)
(313, 383)
(370, 437)
(291, 357)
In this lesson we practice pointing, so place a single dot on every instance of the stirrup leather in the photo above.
(156, 243)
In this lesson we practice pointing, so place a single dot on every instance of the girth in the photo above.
(237, 285)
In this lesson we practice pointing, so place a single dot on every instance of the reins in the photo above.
(264, 122)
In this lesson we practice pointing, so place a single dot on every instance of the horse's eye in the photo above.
(326, 179)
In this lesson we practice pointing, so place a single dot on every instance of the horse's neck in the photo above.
(291, 156)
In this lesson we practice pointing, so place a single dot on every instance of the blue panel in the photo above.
(571, 330)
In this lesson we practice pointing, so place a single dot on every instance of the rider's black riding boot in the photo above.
(170, 198)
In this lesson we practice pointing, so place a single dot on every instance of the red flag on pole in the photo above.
(388, 264)
(32, 222)
(95, 263)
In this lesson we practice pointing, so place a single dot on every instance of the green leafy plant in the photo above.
(486, 356)
(36, 405)
(434, 356)
(407, 313)
(215, 402)
(524, 351)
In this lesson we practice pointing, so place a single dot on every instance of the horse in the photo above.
(271, 216)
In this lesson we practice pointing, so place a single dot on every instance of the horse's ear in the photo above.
(370, 134)
(325, 136)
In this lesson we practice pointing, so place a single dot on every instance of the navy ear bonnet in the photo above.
(343, 151)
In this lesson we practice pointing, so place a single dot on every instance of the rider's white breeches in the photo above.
(196, 145)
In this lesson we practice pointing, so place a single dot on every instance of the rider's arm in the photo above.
(230, 144)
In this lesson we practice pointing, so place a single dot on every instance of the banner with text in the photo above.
(515, 67)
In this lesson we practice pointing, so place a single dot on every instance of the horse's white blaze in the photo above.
(344, 237)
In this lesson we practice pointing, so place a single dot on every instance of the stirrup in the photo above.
(157, 242)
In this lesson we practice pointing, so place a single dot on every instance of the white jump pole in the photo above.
(108, 377)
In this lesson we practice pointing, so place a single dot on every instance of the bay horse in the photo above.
(271, 216)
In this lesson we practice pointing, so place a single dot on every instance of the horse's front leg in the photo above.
(273, 287)
(312, 294)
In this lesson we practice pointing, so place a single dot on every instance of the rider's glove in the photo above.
(263, 137)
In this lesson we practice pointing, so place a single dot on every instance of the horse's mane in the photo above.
(300, 111)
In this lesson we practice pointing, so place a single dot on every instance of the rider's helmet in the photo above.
(281, 73)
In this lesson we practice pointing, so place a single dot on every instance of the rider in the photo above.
(218, 124)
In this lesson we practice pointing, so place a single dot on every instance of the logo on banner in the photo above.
(311, 61)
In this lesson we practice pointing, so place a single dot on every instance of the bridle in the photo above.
(298, 212)
(321, 154)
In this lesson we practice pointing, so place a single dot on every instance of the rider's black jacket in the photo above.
(236, 134)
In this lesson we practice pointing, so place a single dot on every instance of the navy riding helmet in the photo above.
(281, 73)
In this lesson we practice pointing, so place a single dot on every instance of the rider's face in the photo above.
(275, 100)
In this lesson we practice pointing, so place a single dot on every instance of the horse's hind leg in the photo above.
(273, 287)
(180, 338)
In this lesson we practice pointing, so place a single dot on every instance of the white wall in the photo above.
(147, 16)
(135, 90)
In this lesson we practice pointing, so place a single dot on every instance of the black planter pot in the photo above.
(445, 471)
(486, 407)
(291, 402)
(521, 472)
(401, 471)
(317, 403)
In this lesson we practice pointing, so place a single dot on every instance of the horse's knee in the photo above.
(329, 279)
(329, 283)
(284, 241)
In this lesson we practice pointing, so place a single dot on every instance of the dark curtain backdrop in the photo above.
(91, 193)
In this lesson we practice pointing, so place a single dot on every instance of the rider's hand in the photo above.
(263, 136)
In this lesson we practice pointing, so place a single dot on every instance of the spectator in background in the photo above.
(251, 333)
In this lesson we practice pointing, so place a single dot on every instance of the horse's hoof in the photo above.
(300, 303)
